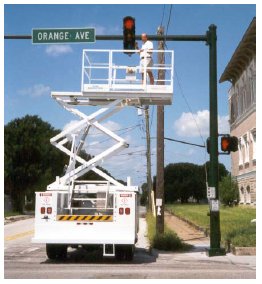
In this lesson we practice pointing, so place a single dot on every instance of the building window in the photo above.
(253, 89)
(233, 108)
(253, 140)
(248, 195)
(246, 148)
(242, 195)
(240, 153)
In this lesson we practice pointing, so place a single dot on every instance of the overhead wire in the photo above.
(183, 95)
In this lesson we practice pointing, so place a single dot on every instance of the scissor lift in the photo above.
(112, 86)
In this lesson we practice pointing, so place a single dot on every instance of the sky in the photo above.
(32, 72)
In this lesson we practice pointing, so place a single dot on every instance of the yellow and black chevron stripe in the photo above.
(93, 218)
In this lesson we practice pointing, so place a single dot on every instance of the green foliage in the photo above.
(187, 180)
(12, 213)
(235, 222)
(29, 156)
(168, 241)
(228, 191)
(31, 162)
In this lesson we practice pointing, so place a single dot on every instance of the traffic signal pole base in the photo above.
(215, 252)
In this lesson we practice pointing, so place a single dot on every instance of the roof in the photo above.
(242, 56)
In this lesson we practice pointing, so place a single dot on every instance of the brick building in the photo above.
(241, 72)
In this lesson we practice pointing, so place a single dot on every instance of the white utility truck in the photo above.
(74, 212)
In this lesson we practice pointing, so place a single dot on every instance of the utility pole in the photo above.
(148, 159)
(160, 205)
(215, 235)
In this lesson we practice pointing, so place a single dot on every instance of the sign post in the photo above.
(63, 36)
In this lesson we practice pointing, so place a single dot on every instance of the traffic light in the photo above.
(129, 33)
(229, 143)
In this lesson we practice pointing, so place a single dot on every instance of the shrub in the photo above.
(228, 191)
(168, 241)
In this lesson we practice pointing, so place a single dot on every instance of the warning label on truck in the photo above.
(125, 194)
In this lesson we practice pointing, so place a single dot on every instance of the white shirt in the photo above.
(145, 47)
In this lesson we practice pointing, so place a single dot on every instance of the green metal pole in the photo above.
(215, 235)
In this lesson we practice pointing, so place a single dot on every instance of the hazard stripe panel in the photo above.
(93, 218)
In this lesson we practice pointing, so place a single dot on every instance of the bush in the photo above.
(168, 241)
(228, 191)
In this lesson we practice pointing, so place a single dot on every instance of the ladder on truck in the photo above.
(112, 86)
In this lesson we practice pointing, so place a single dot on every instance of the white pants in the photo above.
(145, 63)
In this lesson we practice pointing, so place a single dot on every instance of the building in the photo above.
(241, 73)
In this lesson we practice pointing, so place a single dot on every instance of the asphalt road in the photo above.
(26, 260)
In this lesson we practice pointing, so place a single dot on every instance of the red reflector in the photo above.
(49, 210)
(121, 211)
(42, 210)
(127, 211)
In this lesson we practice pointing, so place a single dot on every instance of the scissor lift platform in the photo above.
(109, 75)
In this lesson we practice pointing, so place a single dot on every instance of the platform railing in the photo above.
(112, 70)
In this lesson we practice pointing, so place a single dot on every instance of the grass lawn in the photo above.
(235, 224)
(9, 214)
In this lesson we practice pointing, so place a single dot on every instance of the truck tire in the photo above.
(56, 251)
(119, 253)
(129, 252)
(125, 252)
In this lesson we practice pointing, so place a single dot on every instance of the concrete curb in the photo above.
(12, 219)
(243, 250)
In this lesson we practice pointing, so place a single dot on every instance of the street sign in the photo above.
(63, 36)
(214, 205)
(211, 192)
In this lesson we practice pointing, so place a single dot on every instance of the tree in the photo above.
(30, 160)
(186, 180)
(228, 191)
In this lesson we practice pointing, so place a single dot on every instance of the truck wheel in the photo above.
(119, 253)
(129, 252)
(55, 251)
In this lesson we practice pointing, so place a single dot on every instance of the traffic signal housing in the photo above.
(129, 34)
(229, 143)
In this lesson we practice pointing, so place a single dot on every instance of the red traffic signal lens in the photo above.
(129, 23)
(225, 144)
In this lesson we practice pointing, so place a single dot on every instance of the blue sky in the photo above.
(33, 71)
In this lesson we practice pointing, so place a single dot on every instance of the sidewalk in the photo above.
(187, 233)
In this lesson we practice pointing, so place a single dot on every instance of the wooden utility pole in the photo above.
(148, 159)
(160, 206)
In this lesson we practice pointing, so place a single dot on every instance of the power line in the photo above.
(188, 105)
(163, 14)
(169, 17)
(184, 142)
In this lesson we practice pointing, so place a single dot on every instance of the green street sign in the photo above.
(65, 35)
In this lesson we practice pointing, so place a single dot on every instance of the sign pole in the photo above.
(215, 235)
